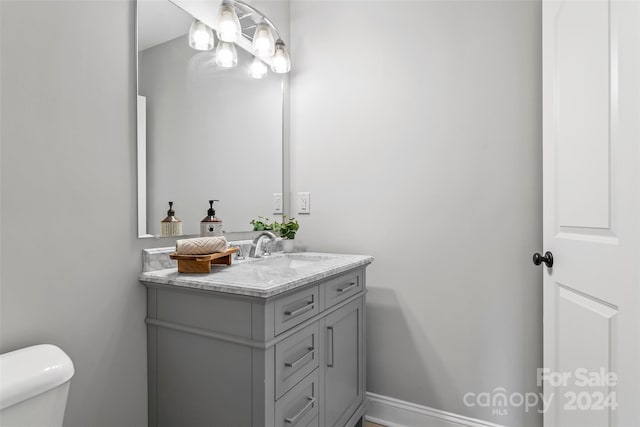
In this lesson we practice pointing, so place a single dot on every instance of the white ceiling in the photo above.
(160, 21)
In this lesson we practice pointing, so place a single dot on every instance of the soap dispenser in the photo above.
(171, 226)
(210, 225)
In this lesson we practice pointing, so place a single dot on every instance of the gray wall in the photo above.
(416, 126)
(69, 253)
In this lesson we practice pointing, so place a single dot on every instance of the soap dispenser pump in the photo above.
(211, 225)
(171, 225)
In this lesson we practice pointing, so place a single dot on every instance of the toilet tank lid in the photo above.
(30, 371)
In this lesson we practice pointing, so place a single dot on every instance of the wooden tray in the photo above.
(202, 263)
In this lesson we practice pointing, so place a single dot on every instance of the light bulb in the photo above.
(228, 23)
(226, 55)
(257, 69)
(280, 63)
(200, 36)
(263, 44)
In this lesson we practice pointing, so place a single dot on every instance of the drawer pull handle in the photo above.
(304, 308)
(330, 346)
(296, 417)
(300, 359)
(347, 288)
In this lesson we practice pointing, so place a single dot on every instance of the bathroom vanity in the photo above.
(272, 342)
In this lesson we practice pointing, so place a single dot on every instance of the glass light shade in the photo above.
(280, 63)
(200, 36)
(257, 69)
(228, 23)
(226, 55)
(263, 44)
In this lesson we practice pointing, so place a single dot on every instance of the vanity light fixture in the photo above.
(281, 62)
(229, 28)
(226, 55)
(257, 69)
(200, 36)
(252, 31)
(263, 44)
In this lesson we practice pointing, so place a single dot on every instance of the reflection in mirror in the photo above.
(211, 132)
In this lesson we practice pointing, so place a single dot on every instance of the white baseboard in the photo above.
(398, 413)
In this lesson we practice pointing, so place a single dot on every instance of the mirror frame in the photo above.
(141, 145)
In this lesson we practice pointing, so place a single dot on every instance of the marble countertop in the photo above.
(263, 277)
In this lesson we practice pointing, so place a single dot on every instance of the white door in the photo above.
(591, 121)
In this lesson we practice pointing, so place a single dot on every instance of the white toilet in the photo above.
(34, 383)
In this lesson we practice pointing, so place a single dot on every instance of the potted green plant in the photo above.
(287, 229)
(261, 223)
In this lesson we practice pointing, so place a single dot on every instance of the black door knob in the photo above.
(547, 259)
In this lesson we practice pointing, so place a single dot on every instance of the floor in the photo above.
(370, 424)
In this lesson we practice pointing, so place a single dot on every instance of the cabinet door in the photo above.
(343, 363)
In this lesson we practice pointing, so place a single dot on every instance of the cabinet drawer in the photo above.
(294, 309)
(342, 287)
(299, 406)
(296, 357)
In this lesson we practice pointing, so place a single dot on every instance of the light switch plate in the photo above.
(304, 203)
(277, 203)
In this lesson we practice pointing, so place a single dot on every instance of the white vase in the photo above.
(288, 245)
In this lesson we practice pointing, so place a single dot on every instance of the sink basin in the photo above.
(289, 261)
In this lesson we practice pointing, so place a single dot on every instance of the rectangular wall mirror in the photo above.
(204, 132)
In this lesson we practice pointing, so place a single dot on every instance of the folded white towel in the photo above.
(201, 246)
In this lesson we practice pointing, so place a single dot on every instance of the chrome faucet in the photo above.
(256, 248)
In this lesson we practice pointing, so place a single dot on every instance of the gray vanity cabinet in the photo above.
(295, 359)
